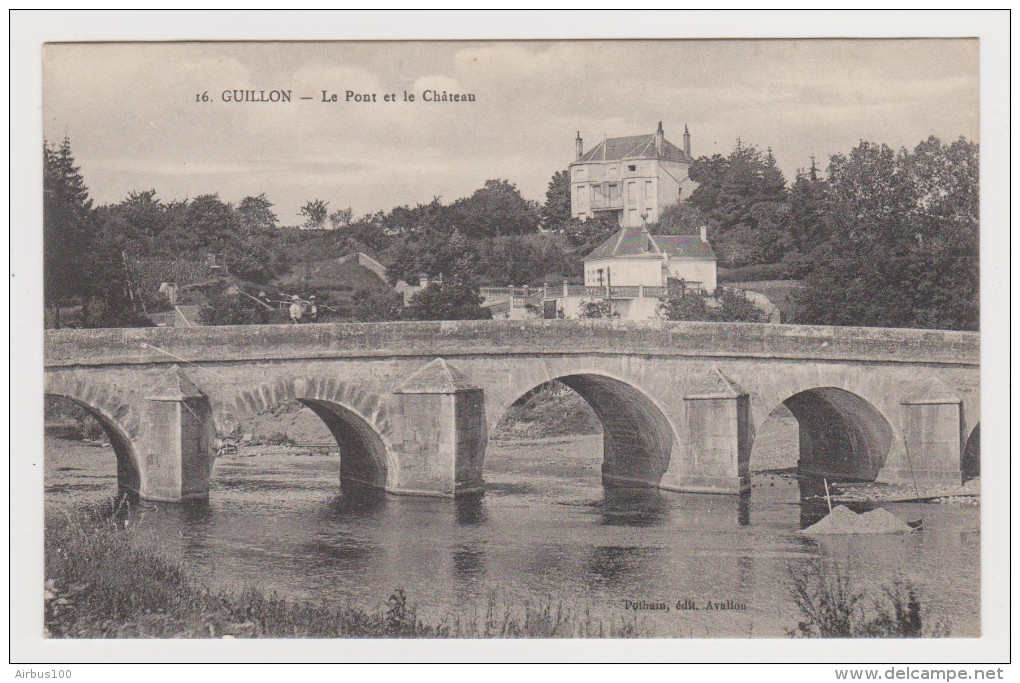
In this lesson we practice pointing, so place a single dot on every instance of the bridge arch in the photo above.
(971, 457)
(117, 418)
(637, 435)
(841, 434)
(357, 420)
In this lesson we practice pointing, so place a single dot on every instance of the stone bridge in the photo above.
(411, 403)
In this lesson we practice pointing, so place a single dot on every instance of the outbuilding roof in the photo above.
(638, 242)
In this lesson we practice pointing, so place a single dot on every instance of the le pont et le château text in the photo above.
(336, 97)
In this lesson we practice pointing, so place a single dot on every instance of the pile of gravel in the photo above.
(843, 520)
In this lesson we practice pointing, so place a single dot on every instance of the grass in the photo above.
(833, 606)
(108, 578)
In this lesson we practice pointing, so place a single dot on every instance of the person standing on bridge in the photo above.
(313, 309)
(296, 309)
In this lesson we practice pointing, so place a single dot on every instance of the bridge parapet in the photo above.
(66, 348)
(896, 402)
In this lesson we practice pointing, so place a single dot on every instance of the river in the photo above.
(546, 528)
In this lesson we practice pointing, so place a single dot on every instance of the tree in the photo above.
(208, 225)
(687, 306)
(556, 210)
(375, 304)
(496, 210)
(679, 218)
(341, 218)
(456, 298)
(68, 225)
(588, 234)
(742, 198)
(227, 307)
(256, 215)
(734, 306)
(807, 210)
(80, 265)
(253, 258)
(903, 239)
(315, 212)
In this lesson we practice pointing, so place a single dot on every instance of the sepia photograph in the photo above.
(511, 339)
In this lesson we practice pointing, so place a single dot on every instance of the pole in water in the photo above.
(827, 499)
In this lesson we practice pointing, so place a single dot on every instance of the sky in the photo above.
(131, 114)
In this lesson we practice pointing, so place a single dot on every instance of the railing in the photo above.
(628, 291)
(578, 290)
(494, 293)
(163, 319)
(502, 299)
(603, 203)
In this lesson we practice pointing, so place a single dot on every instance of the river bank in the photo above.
(108, 578)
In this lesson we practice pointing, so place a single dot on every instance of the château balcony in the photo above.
(606, 203)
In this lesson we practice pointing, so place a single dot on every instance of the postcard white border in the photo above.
(29, 30)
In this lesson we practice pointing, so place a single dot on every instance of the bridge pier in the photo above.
(717, 456)
(177, 455)
(932, 439)
(441, 437)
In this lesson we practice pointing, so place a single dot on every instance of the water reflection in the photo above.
(632, 506)
(355, 498)
(532, 536)
(470, 510)
(614, 565)
(468, 561)
(744, 508)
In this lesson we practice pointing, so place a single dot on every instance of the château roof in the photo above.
(638, 242)
(631, 147)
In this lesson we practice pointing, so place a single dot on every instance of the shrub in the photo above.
(685, 307)
(227, 307)
(83, 424)
(753, 273)
(833, 607)
(598, 309)
(454, 299)
(278, 439)
(734, 306)
(796, 266)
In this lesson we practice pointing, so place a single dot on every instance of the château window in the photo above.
(631, 167)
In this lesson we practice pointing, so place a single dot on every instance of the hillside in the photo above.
(782, 293)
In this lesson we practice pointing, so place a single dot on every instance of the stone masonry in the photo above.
(410, 404)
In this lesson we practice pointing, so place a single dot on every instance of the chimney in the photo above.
(579, 144)
(660, 139)
(687, 142)
(704, 233)
(423, 280)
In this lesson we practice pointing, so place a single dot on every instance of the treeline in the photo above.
(879, 238)
(883, 238)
